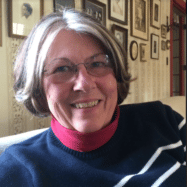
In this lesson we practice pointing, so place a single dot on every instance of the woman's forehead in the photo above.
(71, 44)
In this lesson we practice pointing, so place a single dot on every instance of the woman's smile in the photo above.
(82, 105)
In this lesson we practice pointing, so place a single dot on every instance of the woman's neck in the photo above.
(85, 142)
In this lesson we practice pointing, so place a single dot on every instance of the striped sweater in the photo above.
(147, 149)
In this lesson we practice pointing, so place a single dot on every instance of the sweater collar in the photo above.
(85, 142)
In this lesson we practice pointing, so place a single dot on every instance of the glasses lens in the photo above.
(100, 65)
(61, 69)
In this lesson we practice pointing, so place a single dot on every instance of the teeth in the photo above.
(86, 105)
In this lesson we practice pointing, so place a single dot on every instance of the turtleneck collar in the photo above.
(85, 142)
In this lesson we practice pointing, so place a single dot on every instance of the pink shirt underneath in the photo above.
(84, 142)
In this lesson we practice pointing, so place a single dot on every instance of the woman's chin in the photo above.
(88, 126)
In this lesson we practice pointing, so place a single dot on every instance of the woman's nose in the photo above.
(84, 81)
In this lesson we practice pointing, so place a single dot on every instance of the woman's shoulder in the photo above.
(152, 107)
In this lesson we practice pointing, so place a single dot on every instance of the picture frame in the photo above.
(121, 34)
(139, 19)
(143, 56)
(163, 31)
(23, 16)
(134, 50)
(168, 44)
(96, 9)
(154, 46)
(118, 11)
(163, 45)
(58, 4)
(155, 11)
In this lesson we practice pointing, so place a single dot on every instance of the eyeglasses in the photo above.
(64, 70)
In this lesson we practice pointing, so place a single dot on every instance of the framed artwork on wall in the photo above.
(154, 46)
(121, 34)
(134, 50)
(139, 19)
(118, 11)
(163, 45)
(155, 13)
(58, 4)
(143, 53)
(23, 15)
(168, 44)
(96, 9)
(163, 31)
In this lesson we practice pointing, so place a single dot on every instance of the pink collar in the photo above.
(84, 142)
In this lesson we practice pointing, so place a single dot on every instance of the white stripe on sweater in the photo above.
(166, 175)
(182, 123)
(124, 180)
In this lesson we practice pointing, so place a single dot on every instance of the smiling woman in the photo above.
(72, 68)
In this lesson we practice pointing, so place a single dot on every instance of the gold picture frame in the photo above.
(23, 16)
(139, 19)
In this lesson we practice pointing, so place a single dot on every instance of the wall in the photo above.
(153, 81)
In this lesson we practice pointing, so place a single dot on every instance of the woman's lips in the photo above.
(86, 104)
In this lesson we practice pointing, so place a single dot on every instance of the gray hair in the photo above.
(29, 64)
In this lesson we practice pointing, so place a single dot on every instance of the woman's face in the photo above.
(65, 97)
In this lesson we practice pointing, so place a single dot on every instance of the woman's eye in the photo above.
(97, 64)
(62, 69)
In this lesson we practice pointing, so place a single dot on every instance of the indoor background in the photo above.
(153, 75)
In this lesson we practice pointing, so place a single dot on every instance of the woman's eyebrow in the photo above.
(93, 56)
(57, 60)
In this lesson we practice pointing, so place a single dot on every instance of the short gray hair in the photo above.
(29, 64)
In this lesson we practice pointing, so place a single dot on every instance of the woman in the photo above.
(72, 68)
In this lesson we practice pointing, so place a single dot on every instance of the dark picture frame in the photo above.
(143, 52)
(134, 50)
(95, 9)
(23, 16)
(121, 34)
(58, 4)
(139, 19)
(154, 46)
(118, 11)
(163, 31)
(155, 11)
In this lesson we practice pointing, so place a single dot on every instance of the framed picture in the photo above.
(139, 19)
(154, 46)
(134, 50)
(168, 44)
(96, 9)
(23, 15)
(155, 13)
(163, 31)
(58, 4)
(163, 45)
(118, 11)
(121, 34)
(143, 56)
